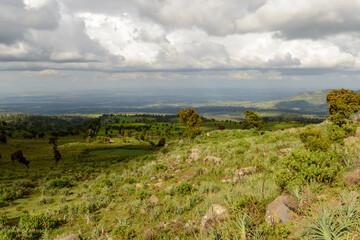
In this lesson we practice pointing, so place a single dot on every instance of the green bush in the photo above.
(184, 188)
(38, 222)
(102, 139)
(11, 193)
(142, 194)
(336, 134)
(304, 166)
(314, 139)
(58, 183)
(160, 167)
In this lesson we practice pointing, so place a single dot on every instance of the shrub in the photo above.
(184, 188)
(58, 183)
(305, 166)
(336, 134)
(314, 139)
(142, 194)
(102, 139)
(38, 222)
(160, 167)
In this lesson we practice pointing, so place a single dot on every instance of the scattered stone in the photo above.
(181, 141)
(358, 132)
(265, 154)
(149, 234)
(153, 178)
(216, 213)
(277, 211)
(284, 151)
(159, 184)
(153, 199)
(212, 159)
(241, 172)
(208, 134)
(161, 225)
(194, 156)
(142, 211)
(111, 140)
(166, 145)
(354, 194)
(226, 180)
(190, 224)
(138, 185)
(321, 197)
(293, 130)
(88, 221)
(70, 237)
(351, 139)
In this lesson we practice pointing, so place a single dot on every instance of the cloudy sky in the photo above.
(90, 44)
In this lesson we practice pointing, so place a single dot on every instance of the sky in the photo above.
(48, 45)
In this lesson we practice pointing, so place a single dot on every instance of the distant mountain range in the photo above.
(308, 103)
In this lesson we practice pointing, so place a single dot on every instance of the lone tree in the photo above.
(57, 155)
(342, 103)
(18, 156)
(191, 120)
(252, 120)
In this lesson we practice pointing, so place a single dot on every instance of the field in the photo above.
(129, 189)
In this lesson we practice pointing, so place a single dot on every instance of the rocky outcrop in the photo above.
(70, 237)
(212, 160)
(351, 139)
(284, 151)
(358, 132)
(153, 199)
(278, 211)
(241, 172)
(215, 214)
(195, 155)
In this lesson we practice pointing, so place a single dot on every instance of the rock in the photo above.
(212, 159)
(153, 178)
(284, 151)
(216, 213)
(358, 132)
(111, 140)
(181, 141)
(149, 234)
(351, 139)
(354, 194)
(70, 237)
(138, 185)
(277, 211)
(241, 172)
(321, 197)
(293, 130)
(190, 224)
(142, 211)
(166, 145)
(195, 155)
(161, 225)
(159, 184)
(153, 199)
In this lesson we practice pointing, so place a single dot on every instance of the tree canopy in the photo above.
(252, 120)
(18, 156)
(342, 103)
(190, 119)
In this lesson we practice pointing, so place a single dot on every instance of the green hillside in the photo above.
(128, 190)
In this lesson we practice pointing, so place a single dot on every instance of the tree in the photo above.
(191, 120)
(3, 138)
(57, 155)
(18, 156)
(342, 103)
(252, 120)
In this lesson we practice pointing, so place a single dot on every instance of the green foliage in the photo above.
(142, 194)
(102, 139)
(304, 166)
(342, 103)
(252, 120)
(160, 167)
(38, 222)
(59, 183)
(314, 139)
(184, 188)
(3, 139)
(337, 133)
(191, 120)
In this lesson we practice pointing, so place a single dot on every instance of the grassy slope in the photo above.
(111, 196)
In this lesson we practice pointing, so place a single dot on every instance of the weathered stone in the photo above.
(161, 225)
(284, 151)
(277, 211)
(358, 132)
(293, 130)
(70, 237)
(149, 234)
(153, 199)
(351, 139)
(241, 172)
(138, 185)
(142, 211)
(212, 159)
(216, 213)
(181, 141)
(111, 140)
(195, 155)
(321, 197)
(153, 178)
(159, 184)
(354, 194)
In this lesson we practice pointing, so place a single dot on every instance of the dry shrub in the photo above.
(352, 178)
